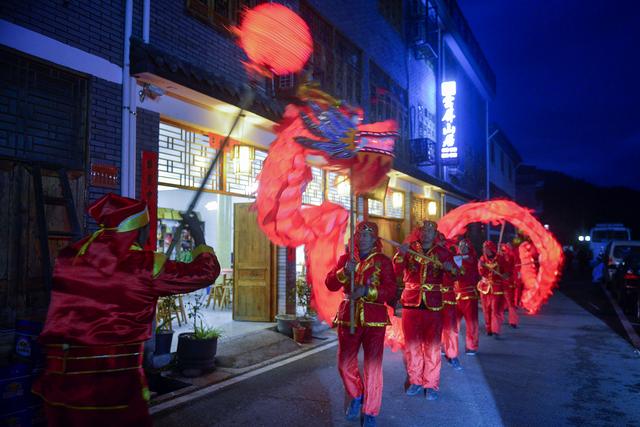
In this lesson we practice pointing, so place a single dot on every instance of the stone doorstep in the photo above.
(272, 345)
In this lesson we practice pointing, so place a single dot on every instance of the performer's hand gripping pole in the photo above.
(245, 102)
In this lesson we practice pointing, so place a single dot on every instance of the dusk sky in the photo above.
(568, 91)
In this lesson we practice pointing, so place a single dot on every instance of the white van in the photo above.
(602, 234)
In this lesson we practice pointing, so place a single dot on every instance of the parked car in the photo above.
(626, 282)
(614, 253)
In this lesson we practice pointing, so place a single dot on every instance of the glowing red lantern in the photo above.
(275, 38)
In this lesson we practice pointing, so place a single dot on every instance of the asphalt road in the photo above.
(564, 366)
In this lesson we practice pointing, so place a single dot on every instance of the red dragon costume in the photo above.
(422, 301)
(371, 318)
(105, 289)
(494, 269)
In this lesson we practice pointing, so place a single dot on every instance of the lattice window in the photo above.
(184, 157)
(376, 207)
(389, 210)
(388, 100)
(220, 13)
(314, 193)
(239, 181)
(336, 62)
(339, 189)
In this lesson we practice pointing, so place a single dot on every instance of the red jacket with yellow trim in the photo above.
(97, 323)
(467, 281)
(492, 272)
(375, 271)
(423, 279)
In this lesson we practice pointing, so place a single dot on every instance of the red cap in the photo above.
(123, 213)
(489, 245)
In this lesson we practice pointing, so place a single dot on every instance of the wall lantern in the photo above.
(243, 157)
(343, 187)
(397, 199)
(432, 208)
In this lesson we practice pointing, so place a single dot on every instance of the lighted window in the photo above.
(376, 207)
(184, 157)
(339, 189)
(314, 193)
(394, 204)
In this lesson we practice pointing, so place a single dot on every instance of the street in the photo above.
(564, 366)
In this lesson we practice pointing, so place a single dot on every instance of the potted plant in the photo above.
(197, 350)
(299, 332)
(164, 329)
(303, 292)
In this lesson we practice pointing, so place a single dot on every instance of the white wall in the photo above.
(218, 224)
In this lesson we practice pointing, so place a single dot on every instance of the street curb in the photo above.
(631, 333)
(193, 392)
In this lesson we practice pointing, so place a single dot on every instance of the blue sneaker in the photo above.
(431, 394)
(455, 364)
(369, 421)
(470, 352)
(414, 390)
(353, 411)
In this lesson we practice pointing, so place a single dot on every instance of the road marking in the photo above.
(161, 407)
(633, 336)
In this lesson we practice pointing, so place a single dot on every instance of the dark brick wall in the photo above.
(105, 133)
(95, 26)
(147, 134)
(174, 30)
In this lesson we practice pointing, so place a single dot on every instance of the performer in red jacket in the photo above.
(422, 304)
(467, 295)
(449, 322)
(374, 286)
(105, 289)
(510, 291)
(494, 269)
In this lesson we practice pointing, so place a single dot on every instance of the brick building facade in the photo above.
(388, 56)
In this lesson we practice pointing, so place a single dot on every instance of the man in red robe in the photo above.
(467, 295)
(374, 286)
(449, 322)
(494, 269)
(103, 301)
(422, 303)
(510, 291)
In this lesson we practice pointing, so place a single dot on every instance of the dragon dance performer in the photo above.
(494, 269)
(449, 322)
(422, 303)
(375, 286)
(511, 290)
(105, 289)
(467, 295)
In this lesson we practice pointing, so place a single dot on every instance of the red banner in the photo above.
(149, 193)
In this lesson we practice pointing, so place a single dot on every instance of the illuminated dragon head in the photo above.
(337, 140)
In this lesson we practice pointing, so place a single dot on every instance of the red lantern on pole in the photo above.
(275, 38)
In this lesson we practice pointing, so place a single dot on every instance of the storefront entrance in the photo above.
(254, 268)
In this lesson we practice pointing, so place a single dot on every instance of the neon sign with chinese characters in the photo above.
(449, 150)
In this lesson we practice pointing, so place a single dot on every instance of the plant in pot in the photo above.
(299, 332)
(303, 292)
(285, 322)
(197, 350)
(164, 329)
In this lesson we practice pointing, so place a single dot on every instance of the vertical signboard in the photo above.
(449, 149)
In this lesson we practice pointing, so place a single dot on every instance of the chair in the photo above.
(227, 292)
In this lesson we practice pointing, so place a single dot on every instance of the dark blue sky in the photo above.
(568, 82)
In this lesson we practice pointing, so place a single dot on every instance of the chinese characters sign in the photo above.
(449, 150)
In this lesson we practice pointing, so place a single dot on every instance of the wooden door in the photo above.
(389, 229)
(254, 289)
